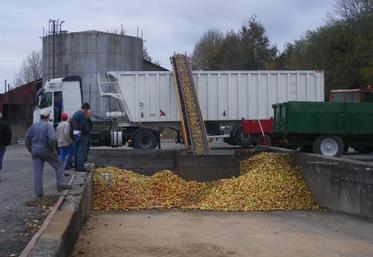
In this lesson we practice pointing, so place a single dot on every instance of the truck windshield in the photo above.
(345, 97)
(45, 100)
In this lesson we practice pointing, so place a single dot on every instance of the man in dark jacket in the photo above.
(81, 126)
(5, 138)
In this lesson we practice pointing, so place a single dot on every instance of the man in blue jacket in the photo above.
(40, 141)
(81, 126)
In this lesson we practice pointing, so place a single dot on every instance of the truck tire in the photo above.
(364, 149)
(240, 138)
(331, 146)
(229, 141)
(145, 139)
(264, 140)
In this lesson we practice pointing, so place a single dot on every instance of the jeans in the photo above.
(67, 151)
(2, 152)
(80, 142)
(38, 159)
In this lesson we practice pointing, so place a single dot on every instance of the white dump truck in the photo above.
(142, 104)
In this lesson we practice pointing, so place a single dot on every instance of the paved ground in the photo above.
(18, 220)
(177, 233)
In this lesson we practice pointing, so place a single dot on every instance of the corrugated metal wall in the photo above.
(223, 95)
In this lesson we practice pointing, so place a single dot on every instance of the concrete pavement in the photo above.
(236, 234)
(16, 218)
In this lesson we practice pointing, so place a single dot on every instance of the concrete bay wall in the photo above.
(189, 167)
(337, 184)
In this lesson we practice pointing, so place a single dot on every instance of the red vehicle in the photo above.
(358, 95)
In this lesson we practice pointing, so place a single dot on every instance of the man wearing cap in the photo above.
(81, 126)
(64, 141)
(40, 141)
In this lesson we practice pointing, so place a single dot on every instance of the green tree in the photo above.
(256, 48)
(231, 52)
(206, 52)
(343, 48)
(248, 48)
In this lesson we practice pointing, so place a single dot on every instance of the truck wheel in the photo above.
(229, 141)
(264, 140)
(331, 146)
(240, 138)
(145, 139)
(364, 149)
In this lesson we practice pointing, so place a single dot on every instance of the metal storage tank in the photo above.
(88, 53)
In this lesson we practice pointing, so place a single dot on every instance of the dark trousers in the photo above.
(80, 142)
(2, 152)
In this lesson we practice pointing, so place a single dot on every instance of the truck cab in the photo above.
(59, 95)
(358, 95)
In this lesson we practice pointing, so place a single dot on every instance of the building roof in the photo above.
(151, 66)
(98, 32)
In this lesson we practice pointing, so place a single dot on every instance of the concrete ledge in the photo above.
(218, 165)
(338, 184)
(59, 237)
(145, 162)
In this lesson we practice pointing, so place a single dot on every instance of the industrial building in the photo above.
(17, 105)
(89, 53)
(85, 54)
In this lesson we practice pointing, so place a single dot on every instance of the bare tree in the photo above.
(31, 69)
(352, 9)
(146, 56)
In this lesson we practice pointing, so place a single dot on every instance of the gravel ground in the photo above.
(20, 215)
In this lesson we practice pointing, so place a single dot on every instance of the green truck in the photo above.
(327, 128)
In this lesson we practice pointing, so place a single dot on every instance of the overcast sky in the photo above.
(167, 25)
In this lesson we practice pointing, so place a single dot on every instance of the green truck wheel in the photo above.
(331, 146)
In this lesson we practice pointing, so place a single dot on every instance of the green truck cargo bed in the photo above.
(323, 118)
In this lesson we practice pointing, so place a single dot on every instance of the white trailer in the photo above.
(144, 103)
(223, 95)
